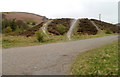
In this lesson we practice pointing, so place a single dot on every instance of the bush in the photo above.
(7, 41)
(61, 28)
(14, 25)
(39, 36)
(108, 32)
(33, 23)
(19, 30)
(7, 30)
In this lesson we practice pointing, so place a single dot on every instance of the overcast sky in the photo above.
(65, 8)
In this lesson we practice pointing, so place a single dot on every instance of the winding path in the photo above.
(49, 59)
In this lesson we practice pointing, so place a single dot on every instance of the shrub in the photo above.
(19, 30)
(7, 41)
(13, 24)
(7, 30)
(39, 36)
(9, 23)
(61, 28)
(33, 23)
(108, 31)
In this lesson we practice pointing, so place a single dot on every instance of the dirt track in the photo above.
(49, 59)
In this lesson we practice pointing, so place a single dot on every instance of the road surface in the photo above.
(49, 59)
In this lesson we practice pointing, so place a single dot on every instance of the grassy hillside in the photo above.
(107, 26)
(99, 61)
(24, 16)
(15, 23)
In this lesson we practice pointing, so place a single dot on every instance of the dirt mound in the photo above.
(59, 26)
(107, 26)
(28, 17)
(86, 27)
(31, 31)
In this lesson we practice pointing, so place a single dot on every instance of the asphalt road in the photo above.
(49, 59)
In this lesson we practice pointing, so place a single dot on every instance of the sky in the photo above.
(65, 8)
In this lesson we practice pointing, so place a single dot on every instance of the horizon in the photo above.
(68, 9)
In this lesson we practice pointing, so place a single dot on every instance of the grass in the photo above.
(82, 37)
(99, 61)
(18, 41)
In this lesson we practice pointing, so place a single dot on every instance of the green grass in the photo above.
(82, 37)
(99, 61)
(18, 41)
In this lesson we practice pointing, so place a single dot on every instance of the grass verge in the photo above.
(99, 61)
(18, 41)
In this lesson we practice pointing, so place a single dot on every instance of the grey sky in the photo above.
(65, 8)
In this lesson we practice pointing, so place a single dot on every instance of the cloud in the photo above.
(65, 8)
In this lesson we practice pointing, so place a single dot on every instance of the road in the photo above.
(49, 59)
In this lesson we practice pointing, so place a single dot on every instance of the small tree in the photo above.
(39, 36)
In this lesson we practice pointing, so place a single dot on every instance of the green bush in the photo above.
(19, 30)
(108, 32)
(39, 36)
(33, 23)
(13, 24)
(61, 28)
(7, 41)
(7, 30)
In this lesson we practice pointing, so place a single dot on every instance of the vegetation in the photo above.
(13, 25)
(108, 31)
(17, 41)
(7, 30)
(40, 36)
(61, 29)
(31, 24)
(100, 61)
(86, 36)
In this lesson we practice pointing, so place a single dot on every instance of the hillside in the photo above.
(107, 26)
(84, 26)
(28, 17)
(26, 24)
